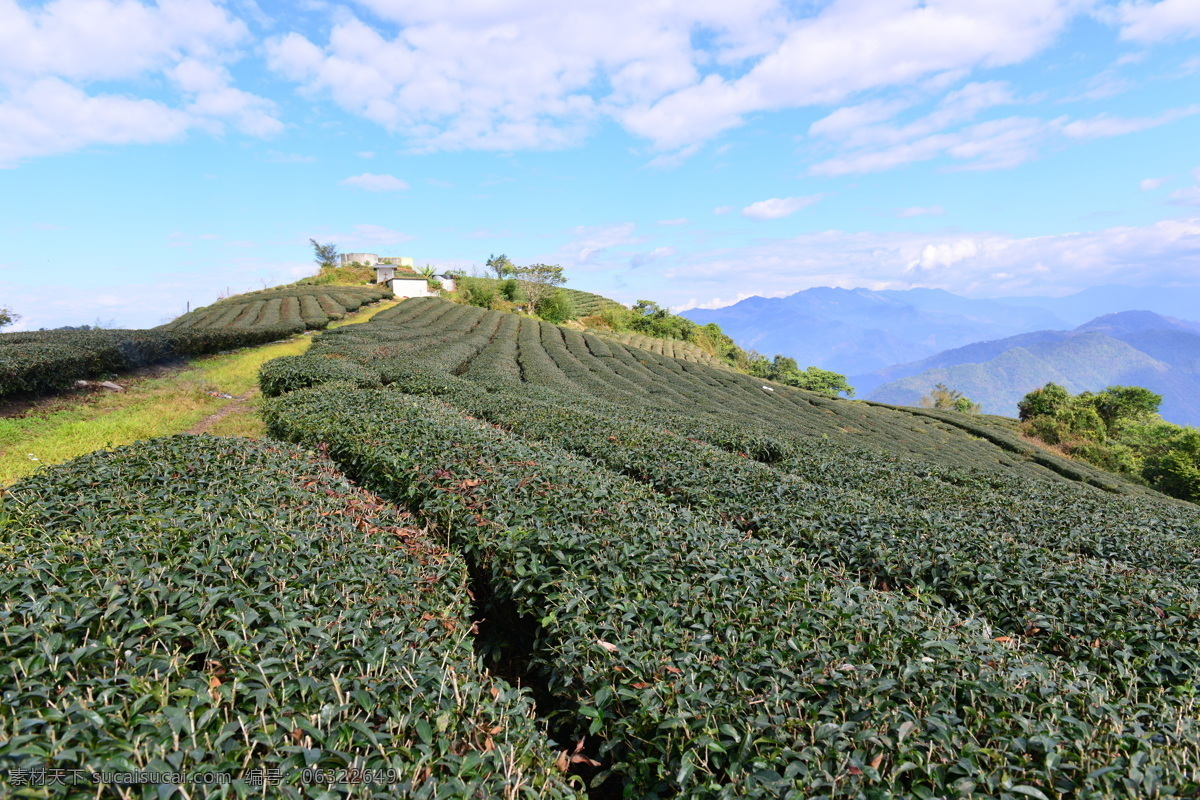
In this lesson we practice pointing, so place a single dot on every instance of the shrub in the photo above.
(556, 307)
(290, 373)
(202, 604)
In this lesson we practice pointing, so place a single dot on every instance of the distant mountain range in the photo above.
(858, 330)
(1137, 348)
(895, 345)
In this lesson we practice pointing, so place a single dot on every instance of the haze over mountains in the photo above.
(895, 345)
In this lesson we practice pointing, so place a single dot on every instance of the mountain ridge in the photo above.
(1101, 352)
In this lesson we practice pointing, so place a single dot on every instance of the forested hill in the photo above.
(1134, 348)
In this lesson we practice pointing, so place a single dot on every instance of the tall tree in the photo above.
(7, 317)
(325, 254)
(540, 280)
(501, 266)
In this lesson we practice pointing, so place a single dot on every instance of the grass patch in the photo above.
(154, 406)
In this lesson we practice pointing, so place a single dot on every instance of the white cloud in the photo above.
(936, 257)
(1186, 197)
(992, 144)
(778, 207)
(509, 74)
(722, 302)
(869, 142)
(1150, 184)
(589, 243)
(376, 183)
(722, 209)
(670, 222)
(1147, 23)
(89, 40)
(49, 54)
(974, 263)
(1105, 125)
(51, 116)
(920, 211)
(852, 46)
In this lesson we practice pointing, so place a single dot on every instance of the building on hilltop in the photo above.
(397, 273)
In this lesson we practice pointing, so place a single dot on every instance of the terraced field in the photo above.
(705, 586)
(731, 589)
(297, 308)
(672, 348)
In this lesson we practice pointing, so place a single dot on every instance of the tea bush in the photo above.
(765, 594)
(712, 664)
(40, 362)
(297, 308)
(197, 604)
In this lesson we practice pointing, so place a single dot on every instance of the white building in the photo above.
(396, 272)
(405, 285)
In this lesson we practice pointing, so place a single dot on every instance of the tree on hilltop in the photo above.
(943, 397)
(325, 254)
(501, 266)
(7, 317)
(540, 280)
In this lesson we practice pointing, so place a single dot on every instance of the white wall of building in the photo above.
(410, 287)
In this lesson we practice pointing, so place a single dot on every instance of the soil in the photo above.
(239, 403)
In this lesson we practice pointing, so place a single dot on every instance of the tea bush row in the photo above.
(1063, 598)
(199, 604)
(712, 664)
(295, 307)
(644, 380)
(41, 362)
(672, 348)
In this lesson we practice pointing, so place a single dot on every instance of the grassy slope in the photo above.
(73, 425)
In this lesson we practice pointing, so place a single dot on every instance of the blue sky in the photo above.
(688, 151)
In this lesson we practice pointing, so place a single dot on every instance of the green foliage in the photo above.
(353, 274)
(1118, 430)
(1121, 404)
(7, 317)
(556, 307)
(290, 373)
(306, 306)
(538, 281)
(326, 255)
(785, 370)
(509, 290)
(943, 397)
(1175, 469)
(41, 362)
(1047, 401)
(197, 604)
(502, 266)
(697, 555)
(477, 292)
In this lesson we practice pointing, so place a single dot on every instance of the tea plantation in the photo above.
(296, 308)
(209, 606)
(40, 362)
(709, 586)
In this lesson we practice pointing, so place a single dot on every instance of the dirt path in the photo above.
(238, 405)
